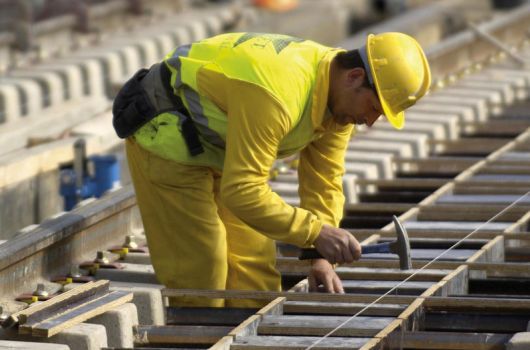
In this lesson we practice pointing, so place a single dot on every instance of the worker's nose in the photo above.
(372, 118)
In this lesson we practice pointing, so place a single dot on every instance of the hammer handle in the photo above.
(312, 253)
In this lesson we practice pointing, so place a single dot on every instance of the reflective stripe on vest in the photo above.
(193, 99)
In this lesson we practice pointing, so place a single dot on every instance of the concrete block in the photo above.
(83, 336)
(431, 129)
(10, 103)
(519, 341)
(383, 161)
(478, 105)
(350, 189)
(466, 226)
(147, 299)
(506, 88)
(52, 86)
(71, 76)
(398, 149)
(119, 324)
(92, 74)
(464, 113)
(137, 258)
(417, 142)
(130, 273)
(111, 62)
(22, 345)
(492, 99)
(31, 95)
(363, 170)
(448, 122)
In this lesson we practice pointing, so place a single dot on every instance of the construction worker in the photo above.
(205, 126)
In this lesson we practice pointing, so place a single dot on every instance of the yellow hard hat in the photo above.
(400, 72)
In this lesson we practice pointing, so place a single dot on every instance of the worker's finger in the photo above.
(355, 248)
(347, 253)
(337, 285)
(313, 287)
(328, 283)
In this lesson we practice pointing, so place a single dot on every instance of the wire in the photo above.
(419, 270)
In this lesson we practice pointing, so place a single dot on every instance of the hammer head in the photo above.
(402, 246)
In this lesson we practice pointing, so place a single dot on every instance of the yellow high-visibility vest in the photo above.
(284, 66)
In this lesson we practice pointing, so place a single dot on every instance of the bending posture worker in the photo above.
(205, 126)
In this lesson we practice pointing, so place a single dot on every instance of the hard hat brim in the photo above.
(397, 120)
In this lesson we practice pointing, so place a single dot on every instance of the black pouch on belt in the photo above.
(132, 108)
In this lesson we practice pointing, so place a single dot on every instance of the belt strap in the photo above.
(189, 131)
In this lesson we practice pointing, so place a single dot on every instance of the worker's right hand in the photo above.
(337, 245)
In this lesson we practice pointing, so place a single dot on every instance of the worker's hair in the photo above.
(352, 59)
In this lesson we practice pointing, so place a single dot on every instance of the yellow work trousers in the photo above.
(194, 241)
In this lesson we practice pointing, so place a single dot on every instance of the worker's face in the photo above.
(355, 103)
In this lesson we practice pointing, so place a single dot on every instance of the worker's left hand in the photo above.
(323, 273)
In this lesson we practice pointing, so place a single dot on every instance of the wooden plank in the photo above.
(472, 322)
(79, 314)
(177, 335)
(383, 274)
(419, 183)
(470, 212)
(450, 340)
(505, 269)
(427, 254)
(351, 209)
(484, 305)
(468, 146)
(293, 296)
(439, 165)
(347, 309)
(296, 343)
(359, 326)
(38, 312)
(380, 287)
(207, 315)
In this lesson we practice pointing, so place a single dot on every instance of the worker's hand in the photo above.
(322, 273)
(337, 245)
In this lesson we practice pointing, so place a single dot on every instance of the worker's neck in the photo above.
(334, 72)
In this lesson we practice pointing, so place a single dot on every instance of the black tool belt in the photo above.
(132, 108)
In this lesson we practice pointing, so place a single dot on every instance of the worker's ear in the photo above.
(355, 77)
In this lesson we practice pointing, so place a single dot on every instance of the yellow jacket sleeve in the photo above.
(256, 124)
(320, 173)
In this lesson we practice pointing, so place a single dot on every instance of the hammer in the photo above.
(401, 247)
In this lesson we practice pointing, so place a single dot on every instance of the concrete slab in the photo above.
(10, 104)
(92, 72)
(70, 75)
(22, 345)
(119, 324)
(398, 149)
(482, 199)
(53, 87)
(349, 187)
(129, 273)
(493, 99)
(363, 170)
(466, 226)
(477, 104)
(519, 341)
(148, 301)
(507, 88)
(383, 161)
(417, 142)
(83, 336)
(431, 129)
(449, 122)
(464, 113)
(31, 98)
